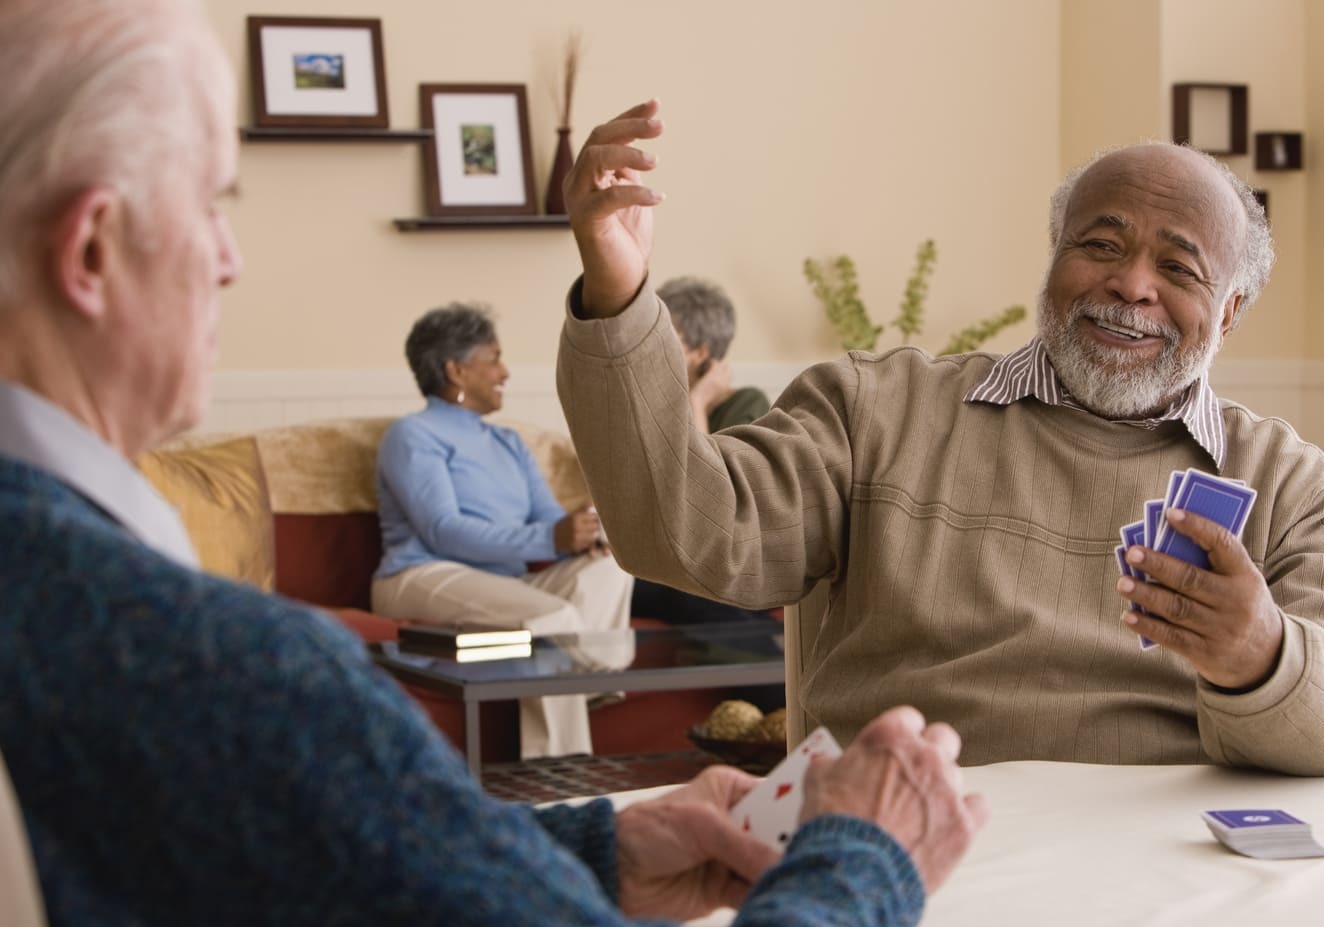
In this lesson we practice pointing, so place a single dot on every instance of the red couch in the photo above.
(293, 509)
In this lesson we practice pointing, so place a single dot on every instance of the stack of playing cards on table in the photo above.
(1267, 833)
(771, 810)
(1225, 501)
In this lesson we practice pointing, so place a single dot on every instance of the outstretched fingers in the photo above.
(604, 163)
(635, 124)
(610, 209)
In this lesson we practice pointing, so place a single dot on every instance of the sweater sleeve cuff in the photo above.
(615, 336)
(545, 545)
(1274, 690)
(589, 832)
(835, 857)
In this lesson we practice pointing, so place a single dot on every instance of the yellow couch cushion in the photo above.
(322, 468)
(221, 494)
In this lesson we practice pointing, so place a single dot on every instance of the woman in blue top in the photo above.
(464, 511)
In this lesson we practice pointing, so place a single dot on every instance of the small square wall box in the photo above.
(1211, 117)
(1278, 151)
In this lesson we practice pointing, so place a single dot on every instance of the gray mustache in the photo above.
(1123, 314)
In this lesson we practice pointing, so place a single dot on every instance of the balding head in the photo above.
(98, 92)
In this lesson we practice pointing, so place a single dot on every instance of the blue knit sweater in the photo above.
(187, 750)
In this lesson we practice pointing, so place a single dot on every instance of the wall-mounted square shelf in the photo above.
(1211, 117)
(1262, 197)
(1278, 151)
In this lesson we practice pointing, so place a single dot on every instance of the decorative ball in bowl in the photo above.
(739, 734)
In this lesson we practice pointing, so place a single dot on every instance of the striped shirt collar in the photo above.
(1028, 372)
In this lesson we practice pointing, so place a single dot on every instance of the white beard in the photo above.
(1109, 381)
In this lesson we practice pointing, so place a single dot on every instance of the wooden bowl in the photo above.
(750, 755)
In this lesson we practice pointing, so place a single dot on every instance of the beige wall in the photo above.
(1111, 86)
(794, 130)
(1263, 45)
(1119, 62)
(1313, 253)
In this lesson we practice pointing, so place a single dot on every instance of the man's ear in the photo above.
(80, 242)
(1230, 310)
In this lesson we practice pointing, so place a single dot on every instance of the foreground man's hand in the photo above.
(902, 775)
(681, 855)
(611, 211)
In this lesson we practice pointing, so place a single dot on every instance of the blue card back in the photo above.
(1219, 500)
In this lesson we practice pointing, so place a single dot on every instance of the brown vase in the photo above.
(565, 157)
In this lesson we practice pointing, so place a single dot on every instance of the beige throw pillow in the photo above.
(221, 494)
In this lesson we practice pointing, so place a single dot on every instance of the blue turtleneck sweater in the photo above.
(451, 486)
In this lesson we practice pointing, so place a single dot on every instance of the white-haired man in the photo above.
(965, 509)
(187, 750)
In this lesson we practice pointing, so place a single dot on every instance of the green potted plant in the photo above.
(836, 284)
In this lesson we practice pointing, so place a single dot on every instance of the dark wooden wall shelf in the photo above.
(1278, 151)
(442, 223)
(421, 223)
(282, 134)
(1230, 128)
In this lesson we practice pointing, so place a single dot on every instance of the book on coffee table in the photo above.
(452, 638)
(494, 652)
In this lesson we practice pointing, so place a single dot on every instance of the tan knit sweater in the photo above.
(970, 546)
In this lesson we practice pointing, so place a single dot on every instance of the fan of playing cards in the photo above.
(1225, 501)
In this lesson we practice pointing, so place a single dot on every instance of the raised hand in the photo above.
(611, 211)
(577, 532)
(714, 387)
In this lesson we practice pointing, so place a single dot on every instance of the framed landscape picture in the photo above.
(478, 161)
(317, 72)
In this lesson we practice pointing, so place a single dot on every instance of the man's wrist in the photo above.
(591, 300)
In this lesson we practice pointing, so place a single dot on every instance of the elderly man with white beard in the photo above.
(965, 509)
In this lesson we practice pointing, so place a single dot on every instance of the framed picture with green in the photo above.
(478, 161)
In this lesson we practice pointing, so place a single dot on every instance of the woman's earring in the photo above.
(459, 398)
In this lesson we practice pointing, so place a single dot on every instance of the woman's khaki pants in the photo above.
(585, 593)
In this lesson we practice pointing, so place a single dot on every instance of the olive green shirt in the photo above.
(740, 408)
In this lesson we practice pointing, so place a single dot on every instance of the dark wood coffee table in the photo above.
(644, 660)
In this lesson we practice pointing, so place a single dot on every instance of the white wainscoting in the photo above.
(241, 401)
(1292, 390)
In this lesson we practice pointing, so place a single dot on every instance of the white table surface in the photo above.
(1081, 845)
